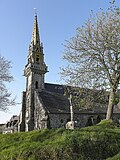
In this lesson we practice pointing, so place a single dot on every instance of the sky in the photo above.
(57, 20)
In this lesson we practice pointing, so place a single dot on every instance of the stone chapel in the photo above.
(43, 104)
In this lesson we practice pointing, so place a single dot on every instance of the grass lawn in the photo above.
(99, 142)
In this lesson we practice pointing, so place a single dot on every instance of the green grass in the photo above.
(100, 142)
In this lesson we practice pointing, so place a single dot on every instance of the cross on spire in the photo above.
(35, 11)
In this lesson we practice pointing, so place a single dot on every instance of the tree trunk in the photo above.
(111, 104)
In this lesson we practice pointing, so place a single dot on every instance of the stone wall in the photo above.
(82, 119)
(40, 115)
(58, 120)
(21, 124)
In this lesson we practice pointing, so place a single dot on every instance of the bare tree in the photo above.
(93, 55)
(5, 76)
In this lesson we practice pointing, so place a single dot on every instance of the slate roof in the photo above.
(56, 88)
(55, 102)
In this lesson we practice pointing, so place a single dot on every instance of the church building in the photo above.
(43, 104)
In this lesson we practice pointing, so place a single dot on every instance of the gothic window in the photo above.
(37, 58)
(61, 120)
(98, 118)
(90, 121)
(36, 84)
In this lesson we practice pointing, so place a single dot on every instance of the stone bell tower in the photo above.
(34, 72)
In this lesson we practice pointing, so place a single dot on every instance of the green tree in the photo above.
(5, 76)
(93, 55)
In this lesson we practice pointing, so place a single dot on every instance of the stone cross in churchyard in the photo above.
(71, 107)
(71, 123)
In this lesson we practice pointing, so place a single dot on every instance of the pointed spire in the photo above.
(35, 35)
(35, 51)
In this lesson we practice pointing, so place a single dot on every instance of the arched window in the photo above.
(36, 84)
(37, 58)
(98, 118)
(61, 120)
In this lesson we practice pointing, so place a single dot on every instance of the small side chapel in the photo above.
(43, 104)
